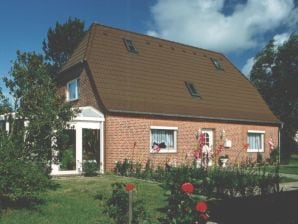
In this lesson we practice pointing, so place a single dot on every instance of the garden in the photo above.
(134, 193)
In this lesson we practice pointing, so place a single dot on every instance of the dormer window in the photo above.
(73, 90)
(217, 64)
(192, 89)
(130, 46)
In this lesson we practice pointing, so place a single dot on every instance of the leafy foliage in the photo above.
(37, 103)
(214, 182)
(90, 168)
(40, 116)
(20, 177)
(275, 74)
(117, 206)
(61, 42)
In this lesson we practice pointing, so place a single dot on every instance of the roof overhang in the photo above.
(197, 117)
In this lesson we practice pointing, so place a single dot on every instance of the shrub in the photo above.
(183, 206)
(20, 177)
(68, 159)
(90, 168)
(117, 206)
(274, 156)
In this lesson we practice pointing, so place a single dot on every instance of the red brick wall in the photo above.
(87, 96)
(122, 133)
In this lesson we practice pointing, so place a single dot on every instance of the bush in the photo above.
(213, 182)
(20, 178)
(90, 168)
(274, 156)
(117, 206)
(68, 159)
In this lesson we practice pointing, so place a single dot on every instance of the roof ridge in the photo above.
(153, 37)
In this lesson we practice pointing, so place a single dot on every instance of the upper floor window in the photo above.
(217, 63)
(192, 89)
(73, 90)
(130, 45)
(255, 141)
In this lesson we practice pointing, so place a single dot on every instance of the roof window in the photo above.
(130, 45)
(192, 89)
(217, 64)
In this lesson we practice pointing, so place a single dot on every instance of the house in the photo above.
(148, 98)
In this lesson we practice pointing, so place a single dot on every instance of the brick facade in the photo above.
(129, 137)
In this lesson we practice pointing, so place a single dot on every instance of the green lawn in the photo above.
(74, 202)
(290, 168)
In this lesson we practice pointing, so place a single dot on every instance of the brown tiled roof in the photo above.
(153, 80)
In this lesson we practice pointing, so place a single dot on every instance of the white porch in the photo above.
(91, 119)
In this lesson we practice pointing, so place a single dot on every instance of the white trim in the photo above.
(256, 131)
(163, 128)
(163, 151)
(262, 133)
(77, 95)
(96, 121)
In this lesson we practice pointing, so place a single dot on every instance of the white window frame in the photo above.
(77, 90)
(166, 150)
(262, 133)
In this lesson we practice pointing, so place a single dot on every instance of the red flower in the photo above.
(201, 207)
(187, 188)
(245, 146)
(129, 187)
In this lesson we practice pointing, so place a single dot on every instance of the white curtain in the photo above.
(165, 136)
(254, 140)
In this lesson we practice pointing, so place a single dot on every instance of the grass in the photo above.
(290, 168)
(74, 202)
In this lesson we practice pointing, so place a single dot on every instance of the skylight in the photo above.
(192, 89)
(217, 64)
(130, 45)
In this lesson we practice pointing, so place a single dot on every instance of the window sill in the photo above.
(73, 100)
(163, 152)
(255, 150)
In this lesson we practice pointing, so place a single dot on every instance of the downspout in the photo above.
(279, 139)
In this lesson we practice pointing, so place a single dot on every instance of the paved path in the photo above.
(290, 186)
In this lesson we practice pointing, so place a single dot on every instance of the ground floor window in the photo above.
(255, 141)
(163, 139)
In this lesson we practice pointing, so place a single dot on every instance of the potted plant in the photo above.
(223, 160)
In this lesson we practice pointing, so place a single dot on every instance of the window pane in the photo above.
(163, 136)
(254, 140)
(73, 89)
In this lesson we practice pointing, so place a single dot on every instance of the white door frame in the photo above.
(88, 118)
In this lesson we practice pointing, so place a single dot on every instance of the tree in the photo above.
(61, 42)
(275, 74)
(28, 148)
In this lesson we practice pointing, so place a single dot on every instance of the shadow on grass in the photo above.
(279, 208)
(26, 203)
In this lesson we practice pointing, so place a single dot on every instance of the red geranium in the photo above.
(201, 207)
(129, 187)
(187, 188)
(245, 146)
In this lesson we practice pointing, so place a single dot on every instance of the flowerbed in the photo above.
(212, 182)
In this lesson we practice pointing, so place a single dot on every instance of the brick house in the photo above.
(138, 90)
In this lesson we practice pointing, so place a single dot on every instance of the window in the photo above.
(73, 90)
(130, 46)
(192, 89)
(163, 139)
(255, 139)
(216, 64)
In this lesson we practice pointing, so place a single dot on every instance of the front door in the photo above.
(208, 147)
(208, 134)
